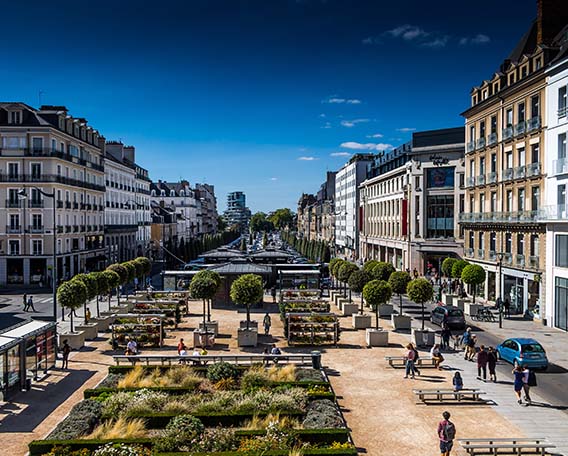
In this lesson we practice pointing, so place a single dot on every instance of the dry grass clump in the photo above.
(121, 428)
(262, 422)
(282, 374)
(179, 376)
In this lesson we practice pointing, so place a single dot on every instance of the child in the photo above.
(457, 382)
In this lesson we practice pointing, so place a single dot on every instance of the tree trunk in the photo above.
(204, 312)
(400, 303)
(85, 312)
(361, 309)
(209, 310)
(422, 315)
(248, 316)
(349, 294)
(118, 295)
(376, 316)
(98, 310)
(71, 316)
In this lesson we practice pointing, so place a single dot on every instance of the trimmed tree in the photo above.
(331, 265)
(377, 292)
(217, 279)
(123, 274)
(345, 272)
(382, 271)
(370, 265)
(335, 271)
(357, 282)
(102, 286)
(398, 281)
(420, 291)
(72, 294)
(92, 290)
(473, 275)
(129, 265)
(458, 267)
(247, 290)
(113, 281)
(447, 266)
(203, 287)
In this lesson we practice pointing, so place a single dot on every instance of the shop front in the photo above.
(9, 367)
(522, 290)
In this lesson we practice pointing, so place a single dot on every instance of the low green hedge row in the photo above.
(41, 447)
(314, 451)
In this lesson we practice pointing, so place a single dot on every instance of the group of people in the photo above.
(28, 303)
(485, 357)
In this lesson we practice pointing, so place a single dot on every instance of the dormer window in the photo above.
(511, 78)
(495, 87)
(163, 193)
(153, 192)
(172, 193)
(537, 63)
(76, 131)
(181, 193)
(524, 71)
(15, 117)
(474, 100)
(484, 94)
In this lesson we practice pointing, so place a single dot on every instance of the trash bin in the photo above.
(28, 384)
(316, 360)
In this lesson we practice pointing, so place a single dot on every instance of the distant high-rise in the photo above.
(237, 213)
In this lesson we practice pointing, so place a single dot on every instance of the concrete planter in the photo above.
(75, 340)
(247, 338)
(449, 299)
(337, 298)
(385, 310)
(471, 309)
(350, 308)
(200, 340)
(103, 322)
(401, 321)
(212, 327)
(91, 330)
(423, 338)
(460, 303)
(341, 302)
(376, 337)
(253, 324)
(361, 321)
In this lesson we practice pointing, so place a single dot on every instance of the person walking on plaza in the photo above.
(31, 304)
(470, 348)
(181, 347)
(66, 350)
(25, 300)
(529, 379)
(507, 306)
(491, 363)
(457, 381)
(445, 336)
(518, 382)
(273, 294)
(267, 322)
(410, 359)
(482, 359)
(465, 339)
(436, 355)
(446, 434)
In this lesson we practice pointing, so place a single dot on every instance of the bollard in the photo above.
(316, 360)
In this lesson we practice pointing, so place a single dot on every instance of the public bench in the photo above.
(466, 394)
(400, 361)
(506, 445)
(246, 360)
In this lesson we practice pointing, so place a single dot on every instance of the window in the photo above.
(562, 146)
(37, 145)
(493, 241)
(509, 159)
(535, 106)
(14, 221)
(482, 166)
(521, 156)
(521, 199)
(561, 249)
(535, 198)
(37, 221)
(472, 168)
(534, 245)
(508, 242)
(520, 244)
(471, 239)
(561, 196)
(535, 153)
(482, 202)
(440, 214)
(35, 196)
(35, 169)
(37, 247)
(472, 133)
(481, 239)
(521, 113)
(15, 117)
(493, 201)
(493, 124)
(509, 201)
(14, 246)
(13, 197)
(482, 129)
(537, 64)
(562, 101)
(524, 71)
(493, 163)
(561, 306)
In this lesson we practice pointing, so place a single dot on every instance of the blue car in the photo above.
(524, 352)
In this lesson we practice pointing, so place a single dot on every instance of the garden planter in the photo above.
(253, 324)
(341, 302)
(376, 337)
(90, 330)
(460, 303)
(449, 299)
(401, 321)
(471, 309)
(76, 340)
(385, 310)
(349, 308)
(337, 298)
(212, 327)
(103, 322)
(423, 338)
(361, 321)
(200, 339)
(247, 338)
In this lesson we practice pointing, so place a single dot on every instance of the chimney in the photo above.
(129, 153)
(552, 16)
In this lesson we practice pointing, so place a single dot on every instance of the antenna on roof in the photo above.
(39, 94)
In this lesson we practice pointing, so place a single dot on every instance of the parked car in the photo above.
(523, 351)
(453, 316)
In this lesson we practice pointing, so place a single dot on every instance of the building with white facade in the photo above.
(556, 186)
(237, 212)
(347, 181)
(143, 211)
(207, 202)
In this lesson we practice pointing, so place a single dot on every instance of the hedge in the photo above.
(41, 447)
(314, 451)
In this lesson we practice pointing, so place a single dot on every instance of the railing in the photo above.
(520, 128)
(507, 174)
(13, 203)
(51, 178)
(554, 212)
(480, 253)
(300, 359)
(470, 181)
(36, 229)
(533, 169)
(75, 205)
(469, 252)
(60, 229)
(480, 180)
(534, 262)
(67, 204)
(75, 228)
(560, 166)
(520, 172)
(48, 152)
(480, 143)
(507, 133)
(520, 260)
(492, 178)
(35, 203)
(534, 123)
(60, 204)
(68, 229)
(492, 255)
(492, 139)
(507, 258)
(470, 146)
(510, 216)
(13, 229)
(562, 111)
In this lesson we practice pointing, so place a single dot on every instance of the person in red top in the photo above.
(181, 346)
(446, 434)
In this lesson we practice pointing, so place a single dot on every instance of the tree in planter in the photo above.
(370, 265)
(203, 287)
(357, 282)
(102, 286)
(113, 281)
(447, 266)
(473, 275)
(382, 271)
(377, 292)
(398, 281)
(457, 268)
(217, 278)
(92, 290)
(247, 290)
(243, 246)
(420, 291)
(345, 272)
(131, 270)
(122, 273)
(72, 294)
(145, 267)
(331, 265)
(334, 270)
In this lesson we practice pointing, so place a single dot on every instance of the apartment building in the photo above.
(237, 212)
(48, 152)
(142, 209)
(556, 183)
(505, 153)
(347, 181)
(409, 201)
(306, 219)
(205, 195)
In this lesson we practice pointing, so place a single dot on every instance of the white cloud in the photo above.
(407, 32)
(322, 115)
(352, 123)
(338, 100)
(371, 40)
(326, 125)
(304, 158)
(365, 146)
(273, 178)
(406, 129)
(340, 154)
(436, 43)
(376, 135)
(480, 38)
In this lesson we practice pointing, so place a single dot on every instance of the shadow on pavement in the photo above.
(553, 369)
(41, 401)
(10, 319)
(545, 405)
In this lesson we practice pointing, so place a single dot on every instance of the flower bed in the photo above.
(146, 330)
(311, 328)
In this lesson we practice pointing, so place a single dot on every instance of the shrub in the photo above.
(119, 429)
(255, 377)
(284, 422)
(182, 431)
(67, 451)
(377, 292)
(227, 384)
(122, 449)
(82, 419)
(322, 415)
(218, 439)
(369, 266)
(282, 374)
(110, 381)
(474, 275)
(398, 281)
(221, 371)
(308, 375)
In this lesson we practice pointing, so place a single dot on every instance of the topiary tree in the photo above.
(129, 265)
(377, 292)
(382, 271)
(113, 281)
(473, 275)
(370, 265)
(345, 272)
(357, 282)
(102, 286)
(247, 290)
(211, 290)
(331, 266)
(146, 267)
(123, 274)
(203, 287)
(398, 281)
(92, 290)
(447, 266)
(420, 291)
(72, 294)
(457, 268)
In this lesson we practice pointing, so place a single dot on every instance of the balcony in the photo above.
(480, 144)
(68, 229)
(470, 147)
(67, 204)
(83, 228)
(534, 262)
(528, 216)
(13, 229)
(14, 204)
(507, 174)
(507, 133)
(533, 169)
(492, 178)
(507, 258)
(75, 205)
(470, 181)
(560, 166)
(492, 255)
(480, 180)
(520, 128)
(534, 123)
(36, 229)
(35, 203)
(75, 228)
(520, 260)
(59, 204)
(481, 254)
(520, 172)
(51, 178)
(469, 253)
(556, 212)
(60, 229)
(492, 139)
(562, 111)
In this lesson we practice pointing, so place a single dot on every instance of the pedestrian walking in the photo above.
(507, 306)
(518, 382)
(87, 315)
(491, 363)
(470, 348)
(410, 359)
(446, 434)
(457, 381)
(273, 294)
(181, 346)
(482, 359)
(436, 355)
(267, 322)
(31, 304)
(66, 349)
(465, 340)
(445, 336)
(25, 298)
(529, 379)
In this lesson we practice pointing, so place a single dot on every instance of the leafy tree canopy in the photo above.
(420, 290)
(382, 271)
(281, 218)
(247, 290)
(346, 270)
(447, 266)
(398, 281)
(377, 292)
(358, 280)
(72, 294)
(473, 274)
(458, 267)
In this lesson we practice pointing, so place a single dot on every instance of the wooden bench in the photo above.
(468, 394)
(515, 446)
(400, 361)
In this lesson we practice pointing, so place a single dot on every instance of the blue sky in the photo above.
(259, 96)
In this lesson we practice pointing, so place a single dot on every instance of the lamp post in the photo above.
(24, 195)
(500, 298)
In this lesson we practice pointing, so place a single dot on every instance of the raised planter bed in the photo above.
(103, 322)
(76, 340)
(361, 321)
(90, 330)
(349, 308)
(423, 338)
(386, 310)
(253, 324)
(212, 327)
(401, 321)
(312, 328)
(376, 337)
(247, 338)
(203, 339)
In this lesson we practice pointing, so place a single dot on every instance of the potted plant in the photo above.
(247, 290)
(71, 295)
(457, 269)
(473, 275)
(447, 266)
(420, 291)
(377, 293)
(204, 285)
(398, 281)
(357, 282)
(90, 328)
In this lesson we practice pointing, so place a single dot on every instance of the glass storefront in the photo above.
(513, 290)
(561, 303)
(13, 367)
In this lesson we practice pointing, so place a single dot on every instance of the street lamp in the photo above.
(500, 298)
(22, 193)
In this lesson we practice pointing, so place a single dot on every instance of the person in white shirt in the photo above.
(132, 347)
